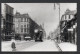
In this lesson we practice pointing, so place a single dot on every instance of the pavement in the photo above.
(67, 46)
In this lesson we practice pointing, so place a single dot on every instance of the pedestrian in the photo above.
(13, 46)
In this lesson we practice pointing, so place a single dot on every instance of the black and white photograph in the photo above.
(38, 27)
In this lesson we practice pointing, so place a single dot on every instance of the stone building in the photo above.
(7, 17)
(24, 26)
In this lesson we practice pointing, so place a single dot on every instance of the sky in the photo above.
(43, 13)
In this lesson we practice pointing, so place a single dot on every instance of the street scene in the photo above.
(38, 27)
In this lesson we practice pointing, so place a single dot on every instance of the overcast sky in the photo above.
(44, 12)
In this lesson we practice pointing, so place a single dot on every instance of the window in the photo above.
(24, 26)
(65, 17)
(7, 17)
(27, 30)
(27, 25)
(27, 20)
(24, 19)
(24, 29)
(21, 26)
(18, 20)
(7, 33)
(69, 16)
(6, 9)
(16, 25)
(72, 16)
(17, 29)
(62, 18)
(21, 19)
(21, 29)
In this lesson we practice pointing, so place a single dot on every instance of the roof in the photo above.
(69, 12)
(9, 6)
(18, 15)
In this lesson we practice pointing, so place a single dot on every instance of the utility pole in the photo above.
(59, 16)
(59, 22)
(59, 12)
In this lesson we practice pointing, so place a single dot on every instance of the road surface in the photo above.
(46, 45)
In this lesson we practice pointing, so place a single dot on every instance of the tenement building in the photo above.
(7, 16)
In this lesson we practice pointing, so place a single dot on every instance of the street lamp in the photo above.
(36, 30)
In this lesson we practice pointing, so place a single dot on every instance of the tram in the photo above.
(38, 35)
